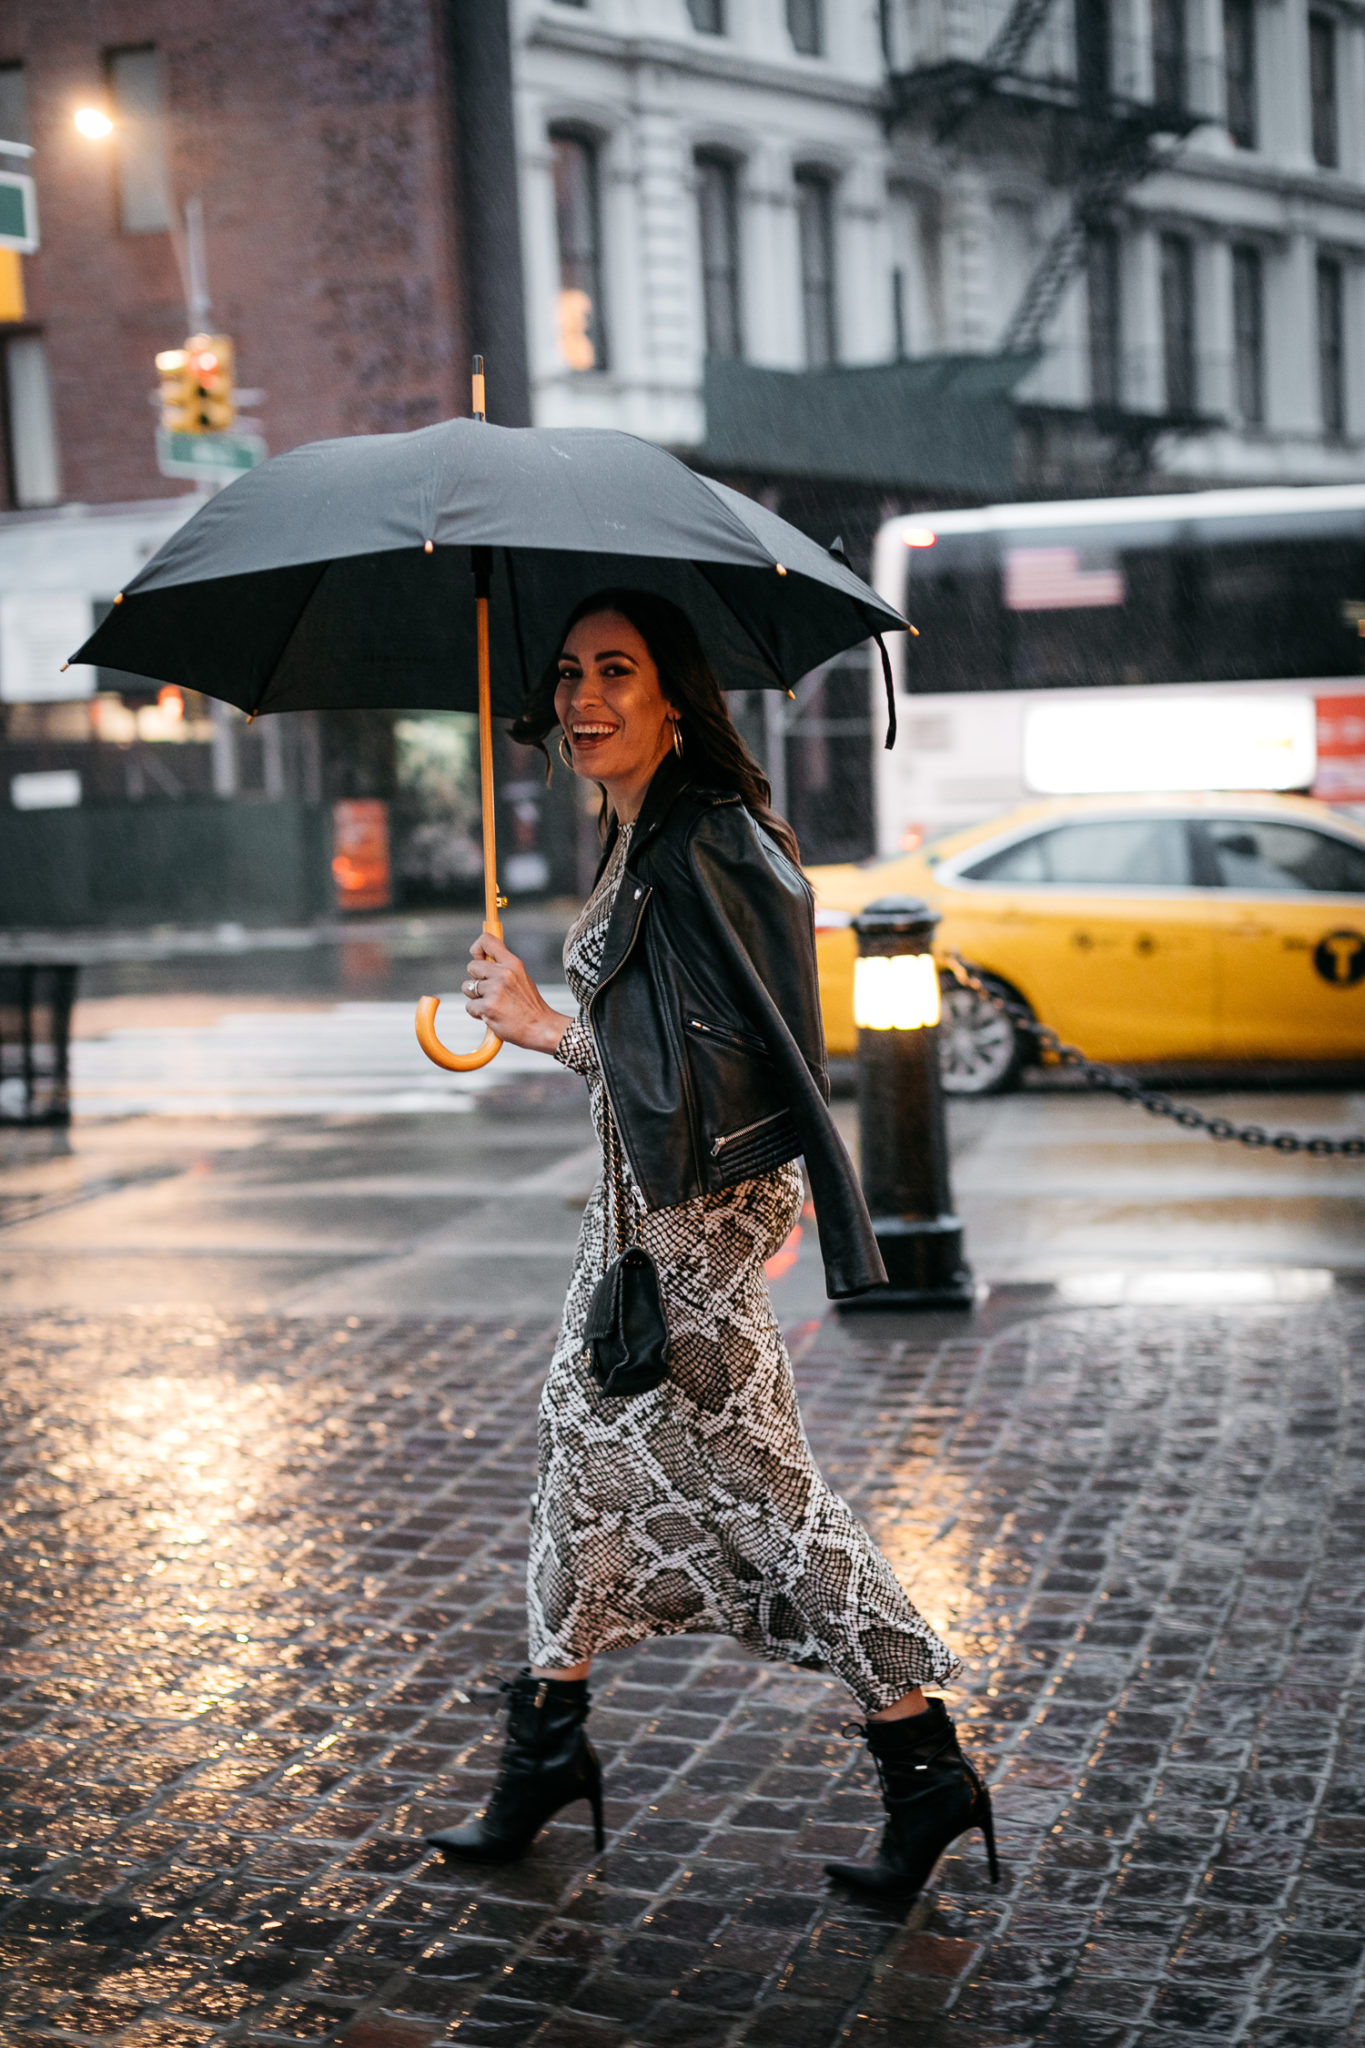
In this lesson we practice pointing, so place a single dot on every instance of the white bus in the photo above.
(1211, 640)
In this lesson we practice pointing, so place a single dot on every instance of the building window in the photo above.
(718, 223)
(1322, 83)
(1102, 291)
(578, 222)
(138, 107)
(35, 473)
(1177, 321)
(708, 16)
(1331, 352)
(815, 216)
(13, 104)
(1168, 54)
(1239, 70)
(1094, 59)
(1248, 336)
(806, 27)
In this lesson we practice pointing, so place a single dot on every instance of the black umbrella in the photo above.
(336, 577)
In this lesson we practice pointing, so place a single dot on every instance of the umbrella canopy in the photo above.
(338, 575)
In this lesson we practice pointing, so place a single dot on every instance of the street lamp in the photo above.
(93, 123)
(901, 1130)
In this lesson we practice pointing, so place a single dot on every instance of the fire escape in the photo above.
(1110, 124)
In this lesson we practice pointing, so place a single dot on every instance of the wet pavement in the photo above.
(261, 1571)
(270, 1351)
(368, 1205)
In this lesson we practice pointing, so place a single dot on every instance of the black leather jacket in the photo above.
(706, 1018)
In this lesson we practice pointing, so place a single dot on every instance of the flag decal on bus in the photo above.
(1052, 580)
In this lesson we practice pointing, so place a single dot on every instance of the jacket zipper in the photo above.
(634, 935)
(719, 1144)
(737, 1038)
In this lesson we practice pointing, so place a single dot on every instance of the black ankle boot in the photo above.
(547, 1763)
(932, 1795)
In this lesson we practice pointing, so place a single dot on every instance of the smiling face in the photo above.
(614, 715)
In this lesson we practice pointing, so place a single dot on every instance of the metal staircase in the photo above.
(1117, 162)
(1002, 60)
(1110, 140)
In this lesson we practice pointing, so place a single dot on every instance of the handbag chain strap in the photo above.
(618, 1202)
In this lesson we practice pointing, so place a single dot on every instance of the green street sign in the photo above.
(207, 456)
(18, 213)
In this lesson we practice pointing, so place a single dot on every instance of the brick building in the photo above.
(329, 152)
(321, 143)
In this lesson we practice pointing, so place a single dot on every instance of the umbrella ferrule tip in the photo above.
(428, 547)
(781, 568)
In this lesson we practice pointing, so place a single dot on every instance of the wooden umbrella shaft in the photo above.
(466, 1062)
(492, 923)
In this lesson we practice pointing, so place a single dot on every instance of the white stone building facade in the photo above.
(753, 175)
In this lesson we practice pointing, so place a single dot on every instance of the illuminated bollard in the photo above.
(901, 1131)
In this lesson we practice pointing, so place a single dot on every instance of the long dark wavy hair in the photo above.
(712, 748)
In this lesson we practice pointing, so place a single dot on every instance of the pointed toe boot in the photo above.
(547, 1763)
(931, 1794)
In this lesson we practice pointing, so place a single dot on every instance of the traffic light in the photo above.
(178, 392)
(196, 386)
(210, 361)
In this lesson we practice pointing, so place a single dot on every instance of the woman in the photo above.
(697, 1507)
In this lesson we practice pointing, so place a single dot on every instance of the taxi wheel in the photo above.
(981, 1051)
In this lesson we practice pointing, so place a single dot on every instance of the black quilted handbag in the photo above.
(626, 1332)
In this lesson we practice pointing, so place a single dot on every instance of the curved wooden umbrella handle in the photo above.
(453, 1062)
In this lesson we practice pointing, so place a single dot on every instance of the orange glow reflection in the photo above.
(166, 1485)
(930, 1546)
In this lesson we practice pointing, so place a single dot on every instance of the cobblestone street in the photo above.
(263, 1572)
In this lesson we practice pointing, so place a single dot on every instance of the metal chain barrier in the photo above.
(1107, 1080)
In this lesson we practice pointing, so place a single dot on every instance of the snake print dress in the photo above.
(698, 1507)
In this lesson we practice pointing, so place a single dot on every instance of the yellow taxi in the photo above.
(1140, 928)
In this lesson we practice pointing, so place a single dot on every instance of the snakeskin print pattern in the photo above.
(698, 1508)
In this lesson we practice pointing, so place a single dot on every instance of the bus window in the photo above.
(1086, 637)
(1276, 607)
(952, 594)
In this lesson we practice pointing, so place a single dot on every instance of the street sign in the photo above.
(208, 457)
(18, 212)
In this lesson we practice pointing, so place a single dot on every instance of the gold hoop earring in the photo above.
(677, 736)
(564, 755)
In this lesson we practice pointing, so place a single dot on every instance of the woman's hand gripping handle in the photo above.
(502, 995)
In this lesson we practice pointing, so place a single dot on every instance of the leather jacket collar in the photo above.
(671, 778)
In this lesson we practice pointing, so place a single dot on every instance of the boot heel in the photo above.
(987, 1825)
(595, 1800)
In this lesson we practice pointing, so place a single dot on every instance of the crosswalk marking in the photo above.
(354, 1059)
